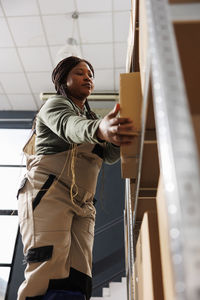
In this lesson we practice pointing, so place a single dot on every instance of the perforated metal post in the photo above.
(130, 263)
(177, 151)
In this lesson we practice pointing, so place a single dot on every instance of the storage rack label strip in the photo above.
(177, 151)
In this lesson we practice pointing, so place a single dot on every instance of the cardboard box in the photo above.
(167, 273)
(188, 44)
(196, 126)
(148, 281)
(130, 106)
(145, 204)
(150, 166)
(138, 282)
(182, 1)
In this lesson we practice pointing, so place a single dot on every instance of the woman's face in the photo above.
(80, 81)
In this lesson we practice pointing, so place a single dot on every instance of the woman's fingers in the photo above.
(117, 130)
(127, 129)
(122, 139)
(116, 121)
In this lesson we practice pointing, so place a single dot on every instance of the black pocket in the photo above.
(39, 254)
(22, 185)
(43, 190)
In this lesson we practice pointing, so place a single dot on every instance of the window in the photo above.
(12, 170)
(4, 275)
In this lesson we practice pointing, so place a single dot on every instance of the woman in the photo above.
(55, 200)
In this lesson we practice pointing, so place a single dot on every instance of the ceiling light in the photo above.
(71, 47)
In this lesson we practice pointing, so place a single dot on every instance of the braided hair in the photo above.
(60, 74)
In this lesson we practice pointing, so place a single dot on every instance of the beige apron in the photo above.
(57, 225)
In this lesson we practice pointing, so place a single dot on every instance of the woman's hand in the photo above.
(116, 130)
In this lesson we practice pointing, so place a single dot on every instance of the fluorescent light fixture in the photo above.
(92, 97)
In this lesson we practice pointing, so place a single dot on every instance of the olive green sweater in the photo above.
(60, 123)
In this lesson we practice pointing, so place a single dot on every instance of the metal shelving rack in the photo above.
(168, 99)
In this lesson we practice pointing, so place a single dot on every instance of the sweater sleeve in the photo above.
(59, 116)
(111, 153)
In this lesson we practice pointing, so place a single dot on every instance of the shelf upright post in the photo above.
(177, 151)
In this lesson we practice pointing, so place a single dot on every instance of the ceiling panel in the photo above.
(4, 103)
(58, 29)
(27, 31)
(99, 55)
(56, 7)
(94, 5)
(5, 40)
(121, 23)
(33, 31)
(96, 28)
(1, 90)
(35, 59)
(41, 82)
(23, 102)
(38, 100)
(20, 8)
(120, 54)
(54, 50)
(9, 60)
(1, 12)
(104, 80)
(14, 83)
(121, 5)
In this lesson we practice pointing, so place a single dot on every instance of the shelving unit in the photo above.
(164, 46)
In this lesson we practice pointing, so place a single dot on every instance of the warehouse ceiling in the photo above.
(33, 31)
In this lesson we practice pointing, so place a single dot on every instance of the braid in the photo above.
(91, 114)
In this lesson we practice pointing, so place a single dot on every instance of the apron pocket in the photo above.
(43, 190)
(22, 207)
(39, 254)
(22, 201)
(22, 185)
(88, 227)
